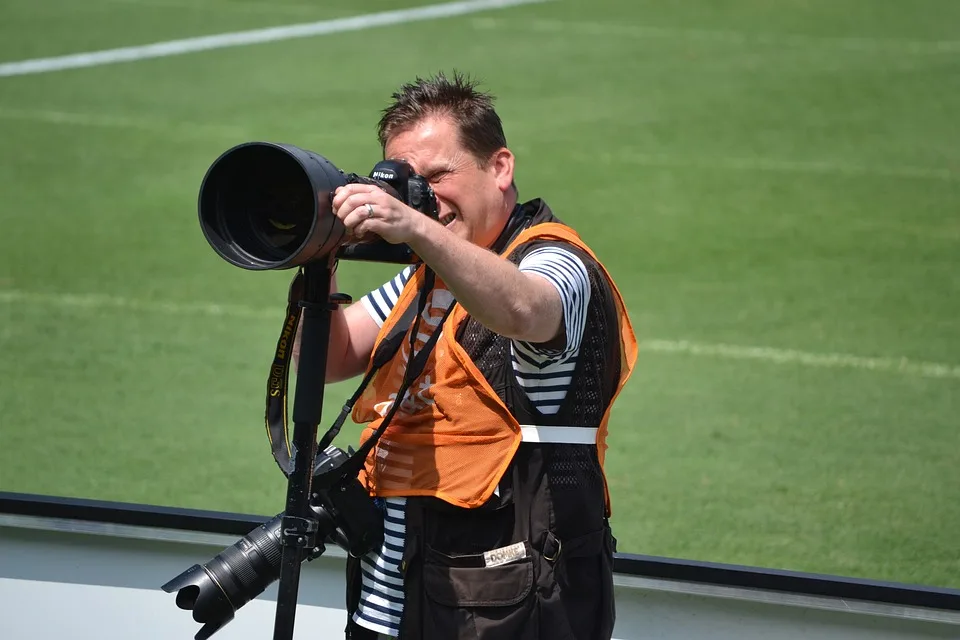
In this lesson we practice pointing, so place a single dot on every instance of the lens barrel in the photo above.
(238, 574)
(265, 205)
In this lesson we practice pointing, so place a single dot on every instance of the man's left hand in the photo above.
(366, 209)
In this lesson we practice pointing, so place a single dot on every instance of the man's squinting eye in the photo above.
(435, 176)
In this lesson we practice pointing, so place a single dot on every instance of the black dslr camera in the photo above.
(266, 205)
(346, 515)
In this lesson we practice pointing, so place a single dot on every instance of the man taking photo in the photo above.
(490, 473)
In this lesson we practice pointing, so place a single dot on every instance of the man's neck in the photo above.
(515, 221)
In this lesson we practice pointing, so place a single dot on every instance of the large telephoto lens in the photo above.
(238, 574)
(215, 590)
(264, 205)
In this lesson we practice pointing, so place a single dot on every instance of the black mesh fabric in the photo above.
(574, 467)
(599, 361)
(487, 349)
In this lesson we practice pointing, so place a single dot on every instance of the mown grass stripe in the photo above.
(904, 366)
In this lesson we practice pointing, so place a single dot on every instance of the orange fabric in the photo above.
(453, 437)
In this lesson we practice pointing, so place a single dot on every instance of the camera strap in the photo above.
(278, 381)
(275, 416)
(413, 370)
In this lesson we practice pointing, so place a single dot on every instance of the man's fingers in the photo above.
(354, 208)
(345, 192)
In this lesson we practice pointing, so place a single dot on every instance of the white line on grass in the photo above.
(902, 366)
(256, 36)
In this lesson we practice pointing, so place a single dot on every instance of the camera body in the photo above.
(409, 187)
(397, 178)
(357, 523)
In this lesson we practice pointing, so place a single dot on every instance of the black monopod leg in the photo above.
(299, 524)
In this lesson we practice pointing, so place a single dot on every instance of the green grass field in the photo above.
(774, 185)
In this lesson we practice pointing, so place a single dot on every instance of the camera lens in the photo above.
(239, 573)
(275, 223)
(215, 590)
(267, 206)
(262, 202)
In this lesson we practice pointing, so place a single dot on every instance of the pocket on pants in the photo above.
(478, 602)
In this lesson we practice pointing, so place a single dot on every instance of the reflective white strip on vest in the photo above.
(559, 435)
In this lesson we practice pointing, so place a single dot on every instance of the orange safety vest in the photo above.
(453, 437)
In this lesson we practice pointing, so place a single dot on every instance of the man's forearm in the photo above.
(493, 290)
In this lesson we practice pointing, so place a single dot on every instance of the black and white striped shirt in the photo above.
(545, 375)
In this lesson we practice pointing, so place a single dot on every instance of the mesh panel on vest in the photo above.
(574, 467)
(597, 380)
(487, 349)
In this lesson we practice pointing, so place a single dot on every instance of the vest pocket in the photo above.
(477, 602)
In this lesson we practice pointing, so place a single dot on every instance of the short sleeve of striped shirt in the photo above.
(381, 301)
(546, 374)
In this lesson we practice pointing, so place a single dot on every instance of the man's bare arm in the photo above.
(518, 305)
(352, 336)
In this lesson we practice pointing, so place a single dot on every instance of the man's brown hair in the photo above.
(458, 98)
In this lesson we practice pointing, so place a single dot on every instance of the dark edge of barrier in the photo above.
(138, 515)
(725, 575)
(729, 575)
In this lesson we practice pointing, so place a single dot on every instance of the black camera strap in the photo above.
(414, 368)
(278, 381)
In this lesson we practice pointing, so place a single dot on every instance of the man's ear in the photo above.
(502, 165)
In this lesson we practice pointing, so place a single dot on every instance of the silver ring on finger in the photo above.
(369, 211)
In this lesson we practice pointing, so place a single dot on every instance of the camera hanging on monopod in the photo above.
(267, 206)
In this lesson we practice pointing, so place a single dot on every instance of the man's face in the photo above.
(474, 201)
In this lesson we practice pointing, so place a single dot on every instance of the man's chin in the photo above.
(460, 230)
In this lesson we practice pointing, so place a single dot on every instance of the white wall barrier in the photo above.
(83, 569)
